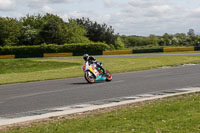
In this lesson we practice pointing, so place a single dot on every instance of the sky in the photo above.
(127, 17)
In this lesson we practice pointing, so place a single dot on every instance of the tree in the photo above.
(55, 30)
(2, 31)
(32, 25)
(34, 21)
(153, 40)
(192, 38)
(181, 38)
(166, 40)
(75, 33)
(191, 32)
(119, 44)
(97, 32)
(9, 31)
(29, 36)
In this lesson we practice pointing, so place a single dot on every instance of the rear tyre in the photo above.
(108, 76)
(89, 77)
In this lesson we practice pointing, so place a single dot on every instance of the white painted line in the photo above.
(90, 108)
(184, 89)
(134, 97)
(189, 64)
(145, 95)
(81, 106)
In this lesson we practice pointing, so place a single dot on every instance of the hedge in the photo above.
(53, 48)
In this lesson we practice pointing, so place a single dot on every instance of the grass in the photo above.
(174, 115)
(22, 65)
(50, 68)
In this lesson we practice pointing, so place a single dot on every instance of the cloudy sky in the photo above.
(129, 17)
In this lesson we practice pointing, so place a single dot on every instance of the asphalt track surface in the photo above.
(26, 97)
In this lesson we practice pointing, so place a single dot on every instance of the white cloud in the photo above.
(52, 1)
(144, 3)
(47, 9)
(144, 17)
(77, 14)
(161, 8)
(6, 5)
(110, 3)
(39, 3)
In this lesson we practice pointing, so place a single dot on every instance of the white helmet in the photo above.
(85, 57)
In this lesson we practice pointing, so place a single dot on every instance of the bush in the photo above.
(53, 48)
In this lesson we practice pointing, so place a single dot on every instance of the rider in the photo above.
(92, 60)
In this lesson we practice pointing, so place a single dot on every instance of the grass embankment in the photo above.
(175, 115)
(18, 70)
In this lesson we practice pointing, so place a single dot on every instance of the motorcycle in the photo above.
(94, 73)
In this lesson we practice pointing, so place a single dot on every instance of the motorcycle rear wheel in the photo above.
(88, 78)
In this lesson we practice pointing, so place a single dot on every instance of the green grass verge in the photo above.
(22, 65)
(174, 115)
(71, 67)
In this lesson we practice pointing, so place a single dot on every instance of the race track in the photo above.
(17, 99)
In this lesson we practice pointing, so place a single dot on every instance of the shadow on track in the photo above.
(86, 83)
(83, 83)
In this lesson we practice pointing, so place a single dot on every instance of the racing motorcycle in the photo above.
(94, 73)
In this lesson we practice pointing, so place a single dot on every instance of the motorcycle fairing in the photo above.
(100, 78)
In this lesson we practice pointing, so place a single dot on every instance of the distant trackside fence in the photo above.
(114, 52)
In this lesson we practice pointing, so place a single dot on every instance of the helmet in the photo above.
(85, 57)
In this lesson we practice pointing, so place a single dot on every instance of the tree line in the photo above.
(178, 39)
(51, 29)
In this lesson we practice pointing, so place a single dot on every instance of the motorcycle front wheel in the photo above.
(90, 78)
(108, 76)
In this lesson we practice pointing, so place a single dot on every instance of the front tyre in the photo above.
(108, 76)
(89, 77)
